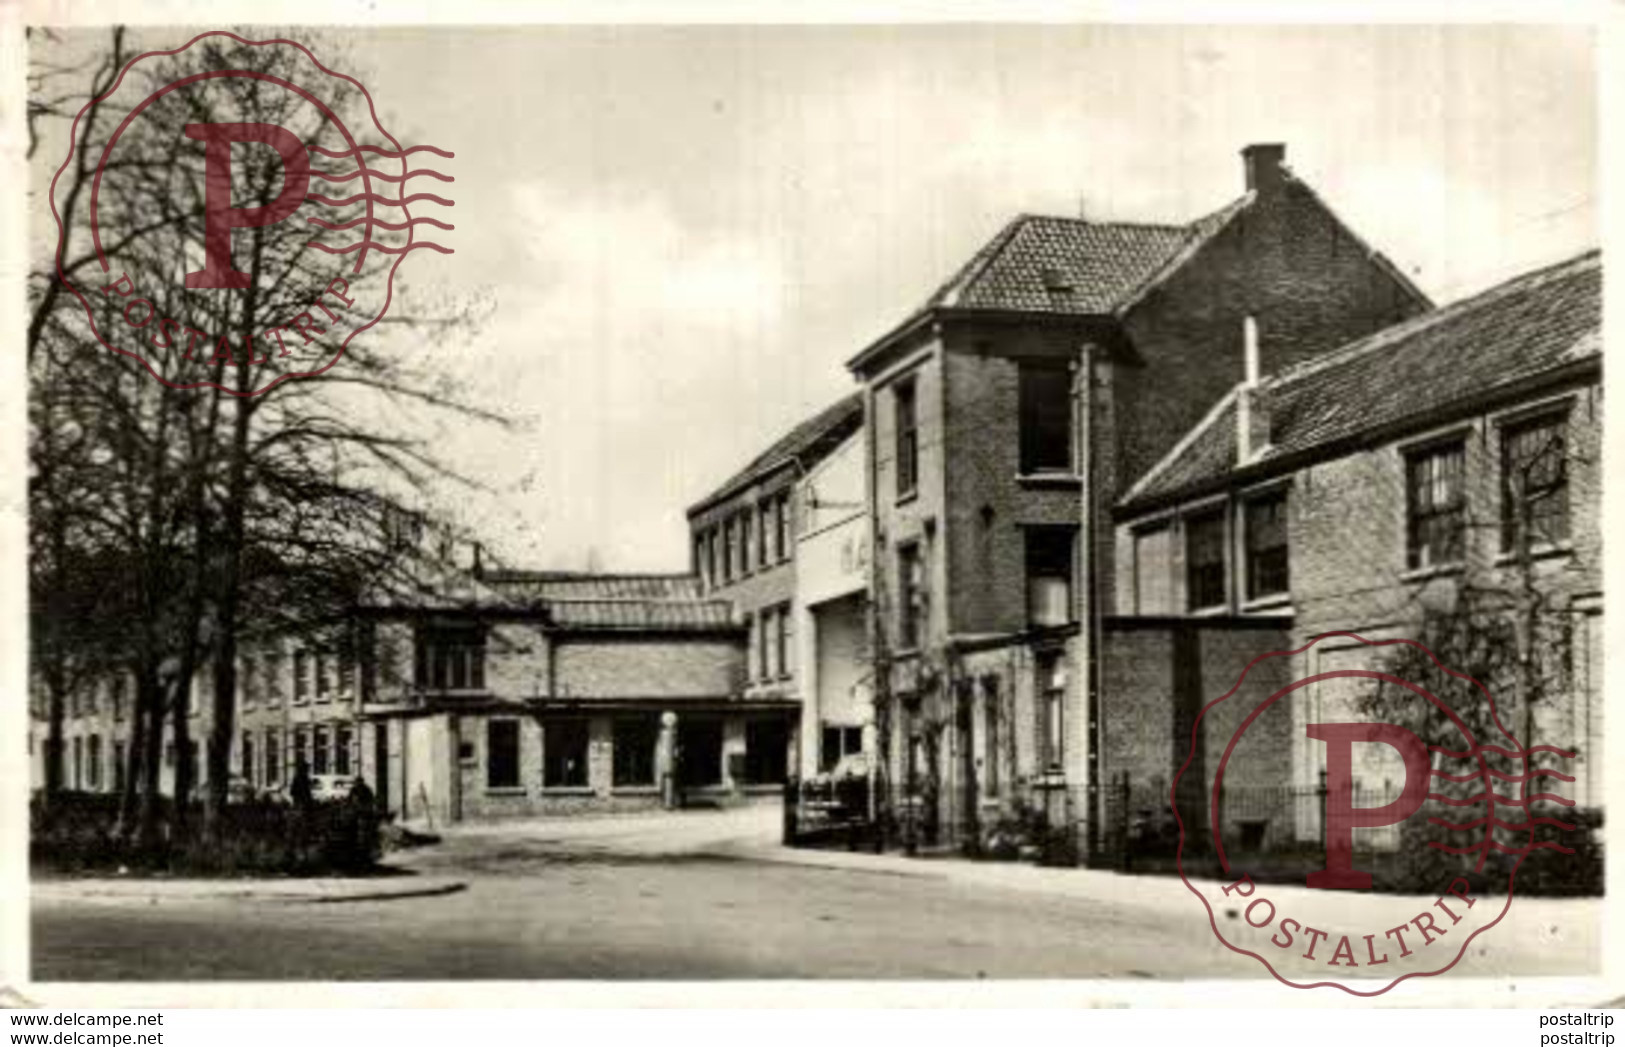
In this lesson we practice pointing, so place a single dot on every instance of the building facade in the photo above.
(1445, 470)
(992, 473)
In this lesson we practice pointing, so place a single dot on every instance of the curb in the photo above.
(291, 892)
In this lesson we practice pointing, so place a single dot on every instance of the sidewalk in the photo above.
(1551, 936)
(123, 890)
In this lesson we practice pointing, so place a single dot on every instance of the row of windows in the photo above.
(752, 539)
(1534, 500)
(772, 644)
(566, 747)
(1045, 409)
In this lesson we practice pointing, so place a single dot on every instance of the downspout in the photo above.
(1089, 612)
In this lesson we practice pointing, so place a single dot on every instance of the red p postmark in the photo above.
(1361, 824)
(194, 223)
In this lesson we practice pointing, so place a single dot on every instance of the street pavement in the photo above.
(701, 895)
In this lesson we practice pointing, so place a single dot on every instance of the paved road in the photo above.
(697, 898)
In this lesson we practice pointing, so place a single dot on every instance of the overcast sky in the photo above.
(687, 232)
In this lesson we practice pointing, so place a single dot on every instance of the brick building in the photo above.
(983, 459)
(1377, 485)
(746, 537)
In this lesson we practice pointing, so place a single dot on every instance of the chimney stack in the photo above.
(1252, 420)
(1262, 164)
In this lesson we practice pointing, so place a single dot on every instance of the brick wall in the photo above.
(606, 666)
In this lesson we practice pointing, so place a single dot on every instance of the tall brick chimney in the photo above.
(1262, 165)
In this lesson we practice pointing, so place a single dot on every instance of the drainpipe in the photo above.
(1088, 609)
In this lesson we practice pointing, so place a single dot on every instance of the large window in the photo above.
(765, 533)
(301, 676)
(908, 437)
(94, 781)
(1049, 575)
(1046, 417)
(730, 549)
(501, 754)
(451, 657)
(1204, 560)
(249, 684)
(343, 738)
(781, 524)
(318, 763)
(912, 597)
(564, 754)
(1436, 513)
(838, 742)
(783, 642)
(1267, 559)
(636, 739)
(301, 748)
(1535, 483)
(246, 759)
(747, 541)
(324, 675)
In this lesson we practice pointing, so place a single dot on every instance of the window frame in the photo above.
(1031, 537)
(551, 732)
(501, 725)
(1418, 519)
(647, 727)
(1255, 572)
(1031, 442)
(912, 600)
(906, 436)
(1555, 416)
(1189, 524)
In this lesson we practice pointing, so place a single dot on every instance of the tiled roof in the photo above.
(577, 585)
(641, 615)
(1045, 264)
(1515, 331)
(807, 443)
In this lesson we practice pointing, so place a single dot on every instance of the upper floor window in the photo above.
(324, 675)
(450, 657)
(747, 535)
(1046, 417)
(713, 553)
(301, 675)
(1204, 560)
(781, 522)
(912, 596)
(120, 694)
(1049, 574)
(1266, 538)
(1534, 483)
(908, 438)
(765, 533)
(1436, 506)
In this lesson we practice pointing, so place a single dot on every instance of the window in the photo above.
(783, 633)
(1153, 577)
(1436, 513)
(248, 685)
(344, 681)
(912, 599)
(838, 742)
(324, 675)
(247, 759)
(341, 748)
(1268, 571)
(760, 625)
(1535, 482)
(747, 535)
(451, 657)
(319, 749)
(765, 533)
(118, 767)
(120, 693)
(990, 735)
(636, 738)
(273, 678)
(781, 525)
(767, 750)
(908, 438)
(94, 779)
(730, 549)
(273, 758)
(1052, 697)
(1046, 417)
(713, 556)
(564, 754)
(1049, 575)
(1204, 560)
(78, 762)
(502, 754)
(301, 676)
